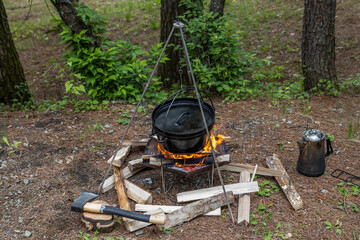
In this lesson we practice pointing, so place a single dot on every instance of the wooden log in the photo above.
(98, 221)
(135, 143)
(124, 202)
(138, 194)
(223, 158)
(236, 188)
(192, 210)
(244, 202)
(135, 164)
(109, 183)
(285, 183)
(236, 167)
(120, 157)
(169, 209)
(146, 157)
(133, 225)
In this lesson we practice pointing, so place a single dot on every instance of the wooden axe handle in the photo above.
(99, 208)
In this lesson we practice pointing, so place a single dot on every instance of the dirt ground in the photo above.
(63, 153)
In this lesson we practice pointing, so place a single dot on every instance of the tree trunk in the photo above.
(318, 42)
(12, 79)
(68, 13)
(170, 10)
(217, 6)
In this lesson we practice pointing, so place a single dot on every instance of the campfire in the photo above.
(187, 163)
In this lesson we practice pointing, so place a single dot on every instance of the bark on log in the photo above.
(285, 183)
(135, 164)
(195, 209)
(169, 209)
(121, 189)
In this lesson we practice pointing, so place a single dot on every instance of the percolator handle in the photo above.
(329, 149)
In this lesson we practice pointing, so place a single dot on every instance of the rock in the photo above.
(26, 182)
(324, 191)
(107, 126)
(158, 190)
(111, 131)
(148, 180)
(27, 234)
(140, 232)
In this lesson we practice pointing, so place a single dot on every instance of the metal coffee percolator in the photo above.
(312, 155)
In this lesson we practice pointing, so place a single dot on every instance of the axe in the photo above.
(82, 204)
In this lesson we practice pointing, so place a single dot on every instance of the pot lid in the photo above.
(183, 119)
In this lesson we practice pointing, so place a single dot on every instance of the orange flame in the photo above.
(204, 153)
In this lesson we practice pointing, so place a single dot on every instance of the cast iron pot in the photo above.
(179, 126)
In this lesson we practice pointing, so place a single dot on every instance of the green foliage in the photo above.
(218, 62)
(115, 70)
(326, 87)
(330, 136)
(336, 226)
(12, 146)
(353, 129)
(265, 188)
(351, 85)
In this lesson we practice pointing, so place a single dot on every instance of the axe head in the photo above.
(78, 204)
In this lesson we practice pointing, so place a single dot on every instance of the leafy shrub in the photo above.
(115, 70)
(219, 64)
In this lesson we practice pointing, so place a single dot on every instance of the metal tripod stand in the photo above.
(176, 25)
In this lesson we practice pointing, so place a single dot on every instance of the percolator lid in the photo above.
(313, 135)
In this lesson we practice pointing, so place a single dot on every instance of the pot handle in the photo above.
(208, 98)
(156, 139)
(184, 116)
(329, 149)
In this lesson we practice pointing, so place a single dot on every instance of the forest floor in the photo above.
(52, 156)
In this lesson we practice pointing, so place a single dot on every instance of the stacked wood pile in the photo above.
(206, 201)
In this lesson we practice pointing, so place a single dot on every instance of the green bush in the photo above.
(115, 70)
(219, 64)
